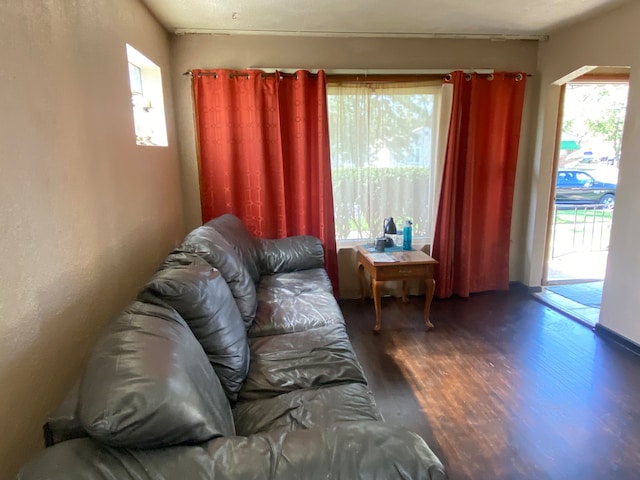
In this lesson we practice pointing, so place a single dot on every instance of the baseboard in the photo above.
(609, 334)
(521, 287)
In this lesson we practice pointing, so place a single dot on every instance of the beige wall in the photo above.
(610, 40)
(85, 215)
(206, 51)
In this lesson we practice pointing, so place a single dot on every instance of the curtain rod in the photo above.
(369, 71)
(364, 72)
(388, 71)
(234, 74)
(382, 71)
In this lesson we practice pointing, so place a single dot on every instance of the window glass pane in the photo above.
(147, 100)
(382, 155)
(135, 79)
(583, 177)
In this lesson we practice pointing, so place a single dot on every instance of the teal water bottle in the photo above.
(406, 233)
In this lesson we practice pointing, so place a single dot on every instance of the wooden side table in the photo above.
(409, 265)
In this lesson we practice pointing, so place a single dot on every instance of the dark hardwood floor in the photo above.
(503, 387)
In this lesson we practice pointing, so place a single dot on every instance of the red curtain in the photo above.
(264, 153)
(473, 225)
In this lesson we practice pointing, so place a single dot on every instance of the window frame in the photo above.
(435, 80)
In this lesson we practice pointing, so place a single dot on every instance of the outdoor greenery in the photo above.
(381, 153)
(596, 113)
(367, 127)
(610, 125)
(405, 187)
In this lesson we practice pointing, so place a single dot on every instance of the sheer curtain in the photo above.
(388, 141)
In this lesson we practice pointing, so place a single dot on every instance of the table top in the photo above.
(405, 257)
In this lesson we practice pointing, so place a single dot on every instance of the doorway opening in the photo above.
(589, 136)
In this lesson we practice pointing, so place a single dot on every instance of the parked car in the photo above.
(583, 163)
(578, 188)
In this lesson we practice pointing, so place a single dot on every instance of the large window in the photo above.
(386, 156)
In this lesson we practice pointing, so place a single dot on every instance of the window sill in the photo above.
(422, 243)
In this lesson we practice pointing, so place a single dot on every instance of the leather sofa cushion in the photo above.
(319, 357)
(309, 408)
(330, 335)
(148, 384)
(295, 283)
(275, 373)
(206, 242)
(293, 302)
(246, 246)
(199, 293)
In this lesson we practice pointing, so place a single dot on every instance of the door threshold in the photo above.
(586, 315)
(572, 281)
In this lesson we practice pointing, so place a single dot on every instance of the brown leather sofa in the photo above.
(233, 363)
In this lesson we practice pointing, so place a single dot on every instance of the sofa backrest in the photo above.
(199, 293)
(245, 244)
(206, 242)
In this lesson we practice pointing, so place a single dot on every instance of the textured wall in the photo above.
(85, 215)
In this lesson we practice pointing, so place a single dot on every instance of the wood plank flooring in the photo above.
(503, 387)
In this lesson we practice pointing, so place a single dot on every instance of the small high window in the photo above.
(145, 79)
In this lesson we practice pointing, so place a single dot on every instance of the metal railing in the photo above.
(580, 228)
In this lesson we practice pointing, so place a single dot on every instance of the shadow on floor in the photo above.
(580, 301)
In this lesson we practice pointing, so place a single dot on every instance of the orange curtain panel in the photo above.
(264, 153)
(473, 225)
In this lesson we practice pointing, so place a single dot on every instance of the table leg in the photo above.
(431, 286)
(362, 281)
(377, 293)
(405, 290)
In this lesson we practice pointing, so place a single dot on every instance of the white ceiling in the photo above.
(411, 18)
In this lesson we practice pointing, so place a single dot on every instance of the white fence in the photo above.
(580, 228)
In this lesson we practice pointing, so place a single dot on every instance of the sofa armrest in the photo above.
(354, 450)
(63, 423)
(300, 252)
